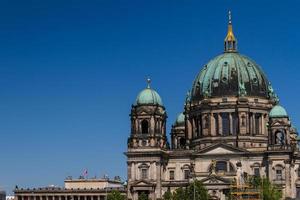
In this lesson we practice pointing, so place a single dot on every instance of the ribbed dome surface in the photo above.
(231, 74)
(148, 96)
(180, 120)
(278, 111)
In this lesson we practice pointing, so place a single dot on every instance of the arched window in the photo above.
(145, 127)
(279, 138)
(225, 124)
(182, 142)
(279, 172)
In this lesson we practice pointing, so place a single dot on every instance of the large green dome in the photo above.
(231, 74)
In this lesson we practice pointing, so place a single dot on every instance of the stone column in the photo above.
(220, 124)
(230, 124)
(260, 124)
(212, 125)
(152, 125)
(133, 175)
(263, 124)
(194, 128)
(189, 128)
(253, 124)
(287, 179)
(158, 180)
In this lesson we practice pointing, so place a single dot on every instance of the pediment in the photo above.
(213, 179)
(221, 148)
(142, 183)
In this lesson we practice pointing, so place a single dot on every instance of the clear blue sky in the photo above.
(70, 70)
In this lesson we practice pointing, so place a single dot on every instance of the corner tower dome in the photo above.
(180, 120)
(278, 112)
(148, 96)
(231, 74)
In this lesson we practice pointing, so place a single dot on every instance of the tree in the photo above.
(168, 195)
(143, 196)
(269, 190)
(200, 191)
(180, 194)
(115, 195)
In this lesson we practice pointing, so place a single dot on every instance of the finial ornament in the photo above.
(148, 82)
(230, 43)
(229, 17)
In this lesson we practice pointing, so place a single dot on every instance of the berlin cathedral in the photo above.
(232, 126)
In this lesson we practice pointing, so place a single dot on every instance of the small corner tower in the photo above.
(148, 120)
(279, 128)
(147, 145)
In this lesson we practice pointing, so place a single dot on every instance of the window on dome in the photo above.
(225, 124)
(145, 127)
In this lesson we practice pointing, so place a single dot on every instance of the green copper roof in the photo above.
(278, 111)
(231, 74)
(148, 96)
(180, 119)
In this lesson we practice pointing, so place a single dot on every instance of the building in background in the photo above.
(10, 197)
(2, 195)
(232, 127)
(74, 189)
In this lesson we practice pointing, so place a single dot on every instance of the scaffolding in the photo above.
(244, 192)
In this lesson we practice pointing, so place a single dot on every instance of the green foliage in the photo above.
(269, 190)
(143, 196)
(180, 194)
(167, 195)
(115, 195)
(188, 192)
(200, 191)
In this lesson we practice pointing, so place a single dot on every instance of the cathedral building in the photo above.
(232, 125)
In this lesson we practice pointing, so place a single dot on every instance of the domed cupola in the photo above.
(278, 112)
(178, 138)
(231, 74)
(148, 96)
(180, 120)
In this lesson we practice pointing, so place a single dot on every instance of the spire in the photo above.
(230, 43)
(148, 82)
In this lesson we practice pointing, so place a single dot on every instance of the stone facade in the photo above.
(232, 127)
